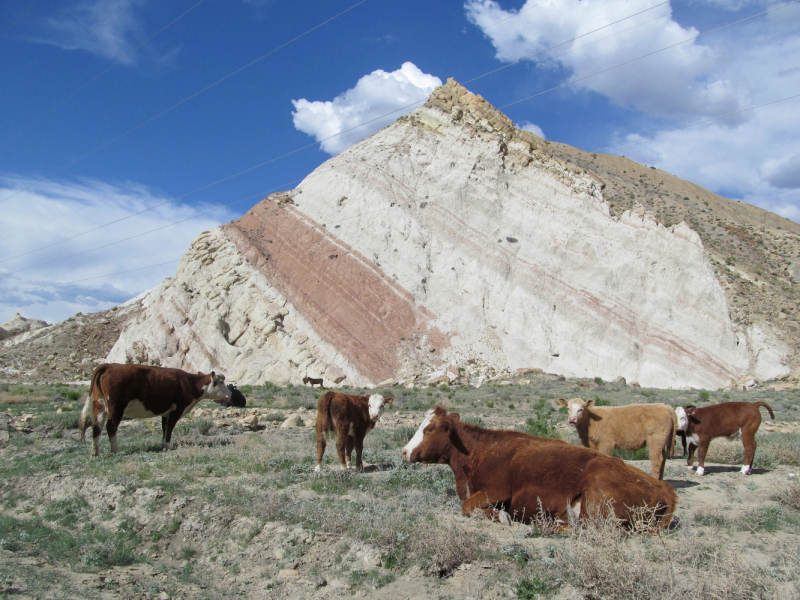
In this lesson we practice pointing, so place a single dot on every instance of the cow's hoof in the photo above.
(318, 469)
(690, 467)
(746, 470)
(701, 471)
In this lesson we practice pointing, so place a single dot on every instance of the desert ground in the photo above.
(234, 509)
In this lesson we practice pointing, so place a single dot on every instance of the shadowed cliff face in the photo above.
(350, 302)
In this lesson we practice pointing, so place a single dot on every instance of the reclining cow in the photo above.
(237, 399)
(509, 474)
(351, 417)
(726, 419)
(631, 427)
(141, 392)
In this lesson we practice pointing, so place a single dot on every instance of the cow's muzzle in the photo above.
(572, 421)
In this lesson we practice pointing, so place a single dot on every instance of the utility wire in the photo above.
(407, 106)
(730, 114)
(98, 76)
(17, 20)
(627, 62)
(169, 262)
(174, 106)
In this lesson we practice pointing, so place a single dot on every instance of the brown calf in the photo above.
(632, 427)
(512, 474)
(141, 392)
(351, 417)
(726, 419)
(312, 381)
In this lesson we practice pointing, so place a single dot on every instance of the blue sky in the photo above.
(64, 172)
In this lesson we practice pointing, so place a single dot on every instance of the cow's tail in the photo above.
(768, 407)
(87, 414)
(673, 436)
(324, 420)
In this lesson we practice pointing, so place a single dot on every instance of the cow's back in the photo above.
(621, 422)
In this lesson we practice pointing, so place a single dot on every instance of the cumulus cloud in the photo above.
(107, 28)
(783, 172)
(373, 96)
(52, 211)
(680, 82)
(533, 128)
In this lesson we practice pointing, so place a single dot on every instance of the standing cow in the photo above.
(631, 427)
(351, 417)
(509, 474)
(726, 419)
(141, 392)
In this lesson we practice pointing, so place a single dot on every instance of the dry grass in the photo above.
(789, 495)
(6, 398)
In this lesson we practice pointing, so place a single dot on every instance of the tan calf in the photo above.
(632, 427)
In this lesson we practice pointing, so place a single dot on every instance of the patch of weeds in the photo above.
(789, 496)
(765, 518)
(475, 420)
(531, 588)
(540, 424)
(338, 482)
(490, 404)
(203, 426)
(64, 420)
(640, 454)
(66, 512)
(517, 552)
(186, 553)
(172, 526)
(710, 519)
(372, 577)
(273, 417)
(703, 395)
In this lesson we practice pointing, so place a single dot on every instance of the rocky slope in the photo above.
(450, 238)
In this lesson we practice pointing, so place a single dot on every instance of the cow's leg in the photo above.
(111, 428)
(321, 443)
(486, 503)
(749, 443)
(702, 449)
(351, 443)
(99, 418)
(658, 456)
(341, 446)
(172, 420)
(683, 441)
(359, 444)
(690, 460)
(164, 432)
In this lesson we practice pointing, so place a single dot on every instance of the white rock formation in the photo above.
(445, 238)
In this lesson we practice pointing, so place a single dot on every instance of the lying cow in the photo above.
(141, 392)
(237, 399)
(351, 417)
(509, 474)
(631, 427)
(726, 419)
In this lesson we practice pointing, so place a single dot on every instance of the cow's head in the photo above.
(213, 387)
(376, 405)
(686, 417)
(432, 442)
(575, 409)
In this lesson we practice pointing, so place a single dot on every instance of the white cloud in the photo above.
(56, 291)
(107, 28)
(676, 83)
(373, 96)
(533, 128)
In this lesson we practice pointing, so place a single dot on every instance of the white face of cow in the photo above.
(376, 405)
(575, 408)
(417, 439)
(683, 419)
(216, 389)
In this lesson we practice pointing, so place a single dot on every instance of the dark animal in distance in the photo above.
(631, 427)
(726, 419)
(509, 474)
(141, 392)
(237, 398)
(313, 381)
(351, 417)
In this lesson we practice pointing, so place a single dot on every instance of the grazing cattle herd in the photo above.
(507, 475)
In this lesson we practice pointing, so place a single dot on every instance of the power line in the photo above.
(398, 110)
(98, 76)
(169, 262)
(730, 114)
(17, 20)
(627, 62)
(174, 106)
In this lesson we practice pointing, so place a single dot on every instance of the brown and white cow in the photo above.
(141, 392)
(509, 474)
(351, 417)
(726, 419)
(631, 427)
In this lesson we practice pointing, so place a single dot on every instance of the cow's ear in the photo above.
(446, 426)
(690, 411)
(562, 402)
(694, 420)
(589, 403)
(388, 400)
(455, 416)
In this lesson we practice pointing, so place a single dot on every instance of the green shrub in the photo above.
(703, 396)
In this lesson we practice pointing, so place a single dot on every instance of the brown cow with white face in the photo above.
(141, 392)
(509, 474)
(351, 417)
(726, 419)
